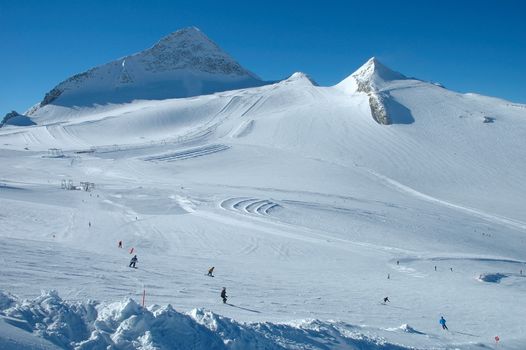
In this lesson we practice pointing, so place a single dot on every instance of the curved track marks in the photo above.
(250, 205)
(188, 153)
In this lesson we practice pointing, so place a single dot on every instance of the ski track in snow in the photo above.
(188, 154)
(489, 217)
(250, 205)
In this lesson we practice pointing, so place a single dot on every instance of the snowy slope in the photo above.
(184, 63)
(303, 197)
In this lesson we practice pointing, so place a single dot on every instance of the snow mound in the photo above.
(6, 300)
(127, 325)
(406, 328)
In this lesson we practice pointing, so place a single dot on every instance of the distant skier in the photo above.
(211, 271)
(397, 262)
(443, 323)
(89, 223)
(133, 261)
(120, 244)
(435, 267)
(223, 295)
(386, 300)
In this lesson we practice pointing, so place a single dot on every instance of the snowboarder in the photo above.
(120, 244)
(211, 271)
(386, 300)
(443, 323)
(223, 295)
(133, 261)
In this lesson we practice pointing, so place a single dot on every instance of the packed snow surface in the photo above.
(311, 207)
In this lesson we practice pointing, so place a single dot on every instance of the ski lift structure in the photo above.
(67, 185)
(87, 186)
(55, 153)
(84, 185)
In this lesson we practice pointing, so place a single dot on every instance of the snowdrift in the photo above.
(126, 325)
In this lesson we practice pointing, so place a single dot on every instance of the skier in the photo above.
(89, 223)
(443, 323)
(435, 267)
(120, 244)
(223, 295)
(133, 261)
(211, 271)
(386, 300)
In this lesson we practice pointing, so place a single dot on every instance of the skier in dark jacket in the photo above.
(443, 323)
(133, 261)
(223, 295)
(386, 300)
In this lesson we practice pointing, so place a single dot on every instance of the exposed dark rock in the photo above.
(15, 118)
(51, 96)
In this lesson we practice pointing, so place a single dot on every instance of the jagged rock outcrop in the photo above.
(15, 118)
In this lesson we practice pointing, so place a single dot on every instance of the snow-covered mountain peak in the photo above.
(189, 48)
(191, 35)
(372, 75)
(302, 78)
(374, 70)
(372, 78)
(182, 64)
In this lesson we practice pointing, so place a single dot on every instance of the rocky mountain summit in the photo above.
(184, 63)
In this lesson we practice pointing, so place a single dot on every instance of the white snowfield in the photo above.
(313, 204)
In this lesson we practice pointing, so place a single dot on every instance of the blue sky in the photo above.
(468, 46)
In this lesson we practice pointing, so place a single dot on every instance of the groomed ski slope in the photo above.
(301, 201)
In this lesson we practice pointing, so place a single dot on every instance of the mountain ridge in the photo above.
(182, 64)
